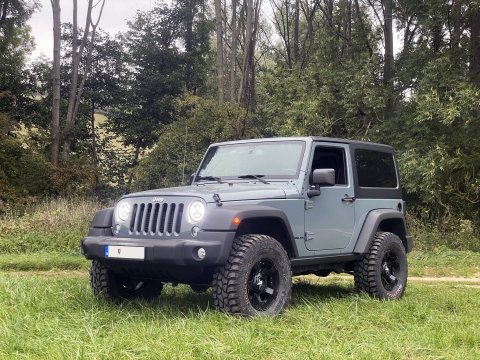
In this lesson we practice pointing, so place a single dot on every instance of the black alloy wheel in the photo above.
(382, 271)
(390, 269)
(256, 280)
(263, 284)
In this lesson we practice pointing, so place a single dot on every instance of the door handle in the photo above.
(347, 198)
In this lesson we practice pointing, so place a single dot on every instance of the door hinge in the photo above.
(308, 236)
(308, 204)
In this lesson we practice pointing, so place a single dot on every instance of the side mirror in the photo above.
(323, 177)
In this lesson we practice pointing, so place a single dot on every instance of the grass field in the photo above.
(54, 315)
(446, 263)
(47, 310)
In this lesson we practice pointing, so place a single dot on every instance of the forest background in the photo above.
(113, 113)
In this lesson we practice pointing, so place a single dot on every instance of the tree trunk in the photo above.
(76, 57)
(233, 53)
(388, 66)
(242, 95)
(55, 128)
(3, 14)
(94, 135)
(220, 65)
(475, 46)
(456, 19)
(362, 27)
(189, 17)
(296, 32)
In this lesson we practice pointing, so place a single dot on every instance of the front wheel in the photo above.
(256, 280)
(382, 272)
(105, 283)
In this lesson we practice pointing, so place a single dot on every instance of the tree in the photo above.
(55, 128)
(157, 72)
(220, 63)
(77, 53)
(475, 44)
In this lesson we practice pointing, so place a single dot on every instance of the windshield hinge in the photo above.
(217, 199)
(308, 204)
(308, 236)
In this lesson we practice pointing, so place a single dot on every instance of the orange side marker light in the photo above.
(236, 220)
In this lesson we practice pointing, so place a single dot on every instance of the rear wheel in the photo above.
(382, 272)
(256, 280)
(106, 283)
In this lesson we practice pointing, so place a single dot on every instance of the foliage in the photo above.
(51, 225)
(24, 173)
(159, 70)
(181, 145)
(439, 165)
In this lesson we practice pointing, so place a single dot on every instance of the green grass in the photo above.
(42, 262)
(444, 263)
(57, 317)
(54, 225)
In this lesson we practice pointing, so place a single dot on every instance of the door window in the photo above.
(330, 158)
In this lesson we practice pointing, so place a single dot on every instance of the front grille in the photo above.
(156, 219)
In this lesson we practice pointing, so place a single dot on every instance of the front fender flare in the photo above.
(221, 218)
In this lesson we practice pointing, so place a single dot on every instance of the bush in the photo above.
(438, 236)
(53, 225)
(24, 172)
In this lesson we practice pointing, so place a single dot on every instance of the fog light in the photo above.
(117, 229)
(195, 231)
(201, 253)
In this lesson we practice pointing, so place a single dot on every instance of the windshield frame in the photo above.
(247, 143)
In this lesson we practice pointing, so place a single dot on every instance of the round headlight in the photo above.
(123, 210)
(196, 211)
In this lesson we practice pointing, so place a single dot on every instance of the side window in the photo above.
(375, 169)
(330, 158)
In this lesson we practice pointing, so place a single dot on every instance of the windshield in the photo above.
(271, 159)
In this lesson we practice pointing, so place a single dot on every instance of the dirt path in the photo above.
(444, 279)
(470, 282)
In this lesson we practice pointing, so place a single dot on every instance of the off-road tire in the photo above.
(105, 283)
(232, 282)
(371, 277)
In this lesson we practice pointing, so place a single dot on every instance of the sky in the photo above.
(114, 18)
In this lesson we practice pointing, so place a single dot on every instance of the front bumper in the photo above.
(175, 251)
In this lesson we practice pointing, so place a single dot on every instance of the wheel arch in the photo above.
(386, 220)
(256, 219)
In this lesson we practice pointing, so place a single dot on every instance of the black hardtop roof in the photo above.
(364, 144)
(355, 143)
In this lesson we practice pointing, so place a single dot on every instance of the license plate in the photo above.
(125, 252)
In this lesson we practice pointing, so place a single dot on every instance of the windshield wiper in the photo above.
(210, 178)
(251, 176)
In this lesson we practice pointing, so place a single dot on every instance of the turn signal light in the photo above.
(236, 220)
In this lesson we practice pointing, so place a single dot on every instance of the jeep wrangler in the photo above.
(256, 213)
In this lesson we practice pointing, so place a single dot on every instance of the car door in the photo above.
(330, 217)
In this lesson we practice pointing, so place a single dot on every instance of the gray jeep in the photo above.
(256, 213)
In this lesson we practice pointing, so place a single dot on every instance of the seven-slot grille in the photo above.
(156, 219)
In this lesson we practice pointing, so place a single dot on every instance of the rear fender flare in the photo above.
(373, 223)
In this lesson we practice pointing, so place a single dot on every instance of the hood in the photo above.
(236, 191)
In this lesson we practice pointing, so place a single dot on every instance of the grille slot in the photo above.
(156, 219)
